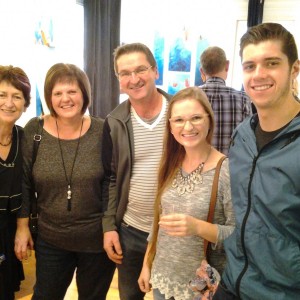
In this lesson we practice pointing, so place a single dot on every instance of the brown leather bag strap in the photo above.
(213, 198)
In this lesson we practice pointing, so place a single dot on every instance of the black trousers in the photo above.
(55, 268)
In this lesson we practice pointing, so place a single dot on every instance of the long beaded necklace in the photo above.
(187, 183)
(68, 179)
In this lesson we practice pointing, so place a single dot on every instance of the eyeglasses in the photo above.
(126, 75)
(194, 120)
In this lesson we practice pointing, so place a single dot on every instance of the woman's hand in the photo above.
(179, 224)
(23, 240)
(144, 279)
(185, 225)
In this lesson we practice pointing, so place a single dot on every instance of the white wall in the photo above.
(221, 22)
(18, 22)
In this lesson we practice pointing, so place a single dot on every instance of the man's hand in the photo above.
(112, 246)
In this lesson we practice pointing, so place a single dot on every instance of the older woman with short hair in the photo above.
(14, 99)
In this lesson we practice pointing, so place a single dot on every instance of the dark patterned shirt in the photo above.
(230, 108)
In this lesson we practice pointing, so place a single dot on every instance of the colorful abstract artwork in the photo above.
(44, 32)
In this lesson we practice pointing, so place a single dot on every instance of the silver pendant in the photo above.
(69, 193)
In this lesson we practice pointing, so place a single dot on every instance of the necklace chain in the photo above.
(187, 183)
(68, 179)
(10, 141)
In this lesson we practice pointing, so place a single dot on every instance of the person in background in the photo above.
(230, 106)
(15, 91)
(133, 135)
(186, 174)
(263, 251)
(67, 176)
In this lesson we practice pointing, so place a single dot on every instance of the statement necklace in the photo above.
(187, 183)
(68, 179)
(8, 143)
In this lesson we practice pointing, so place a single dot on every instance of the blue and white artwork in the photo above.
(38, 104)
(44, 32)
(178, 81)
(180, 56)
(159, 50)
(202, 44)
(178, 59)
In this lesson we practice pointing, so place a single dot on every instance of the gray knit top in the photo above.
(78, 229)
(177, 258)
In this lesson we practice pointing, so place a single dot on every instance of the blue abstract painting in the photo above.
(39, 106)
(178, 81)
(180, 56)
(202, 44)
(159, 49)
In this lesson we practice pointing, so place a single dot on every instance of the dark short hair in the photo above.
(61, 72)
(131, 48)
(271, 31)
(17, 78)
(213, 60)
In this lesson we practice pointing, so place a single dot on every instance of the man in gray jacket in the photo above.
(132, 147)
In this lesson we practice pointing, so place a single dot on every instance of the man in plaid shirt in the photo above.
(229, 105)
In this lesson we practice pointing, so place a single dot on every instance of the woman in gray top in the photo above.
(185, 179)
(67, 177)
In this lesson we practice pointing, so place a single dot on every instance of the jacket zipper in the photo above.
(239, 279)
(293, 136)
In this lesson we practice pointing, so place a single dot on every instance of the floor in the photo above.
(26, 288)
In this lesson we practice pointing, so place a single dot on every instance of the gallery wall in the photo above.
(195, 23)
(35, 34)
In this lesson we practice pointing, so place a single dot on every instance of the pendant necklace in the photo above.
(187, 183)
(68, 179)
